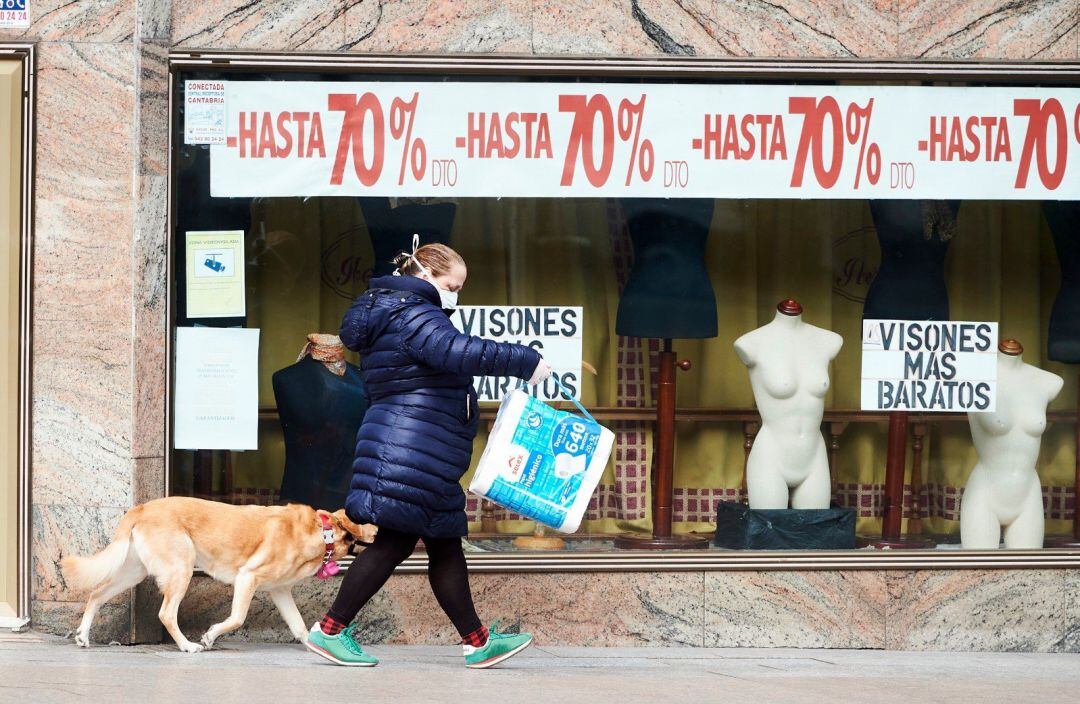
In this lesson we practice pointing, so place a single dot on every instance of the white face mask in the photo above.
(447, 299)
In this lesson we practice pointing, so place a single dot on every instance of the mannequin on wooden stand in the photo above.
(1063, 344)
(789, 361)
(668, 296)
(1003, 494)
(910, 285)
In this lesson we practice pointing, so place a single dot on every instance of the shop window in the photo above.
(702, 271)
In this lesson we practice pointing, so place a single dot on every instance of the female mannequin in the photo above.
(1004, 490)
(914, 237)
(789, 372)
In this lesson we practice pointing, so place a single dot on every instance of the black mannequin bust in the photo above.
(1063, 344)
(914, 236)
(391, 229)
(320, 413)
(668, 294)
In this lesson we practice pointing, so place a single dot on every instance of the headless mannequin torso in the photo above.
(1064, 337)
(391, 229)
(789, 372)
(668, 294)
(320, 413)
(914, 238)
(1004, 490)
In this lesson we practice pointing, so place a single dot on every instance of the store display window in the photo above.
(761, 310)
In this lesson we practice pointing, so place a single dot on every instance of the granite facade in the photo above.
(99, 302)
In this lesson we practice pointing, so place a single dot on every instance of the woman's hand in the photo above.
(541, 373)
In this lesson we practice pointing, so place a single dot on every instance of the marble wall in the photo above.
(1010, 610)
(99, 260)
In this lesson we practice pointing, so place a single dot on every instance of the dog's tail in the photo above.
(86, 573)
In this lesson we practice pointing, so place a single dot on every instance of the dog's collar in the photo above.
(329, 567)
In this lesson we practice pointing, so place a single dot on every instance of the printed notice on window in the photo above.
(215, 274)
(14, 14)
(217, 389)
(204, 112)
(929, 366)
(553, 331)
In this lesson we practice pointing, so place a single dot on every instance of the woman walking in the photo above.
(414, 445)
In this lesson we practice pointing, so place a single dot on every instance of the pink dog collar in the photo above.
(329, 567)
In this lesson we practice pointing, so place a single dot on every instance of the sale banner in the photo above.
(420, 139)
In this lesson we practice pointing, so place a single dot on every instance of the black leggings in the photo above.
(447, 573)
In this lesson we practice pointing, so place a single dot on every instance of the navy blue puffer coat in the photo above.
(415, 442)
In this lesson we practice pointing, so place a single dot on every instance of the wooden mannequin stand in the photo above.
(663, 480)
(539, 541)
(1072, 541)
(895, 464)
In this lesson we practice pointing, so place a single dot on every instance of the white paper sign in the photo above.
(217, 389)
(553, 331)
(204, 112)
(15, 13)
(589, 140)
(929, 366)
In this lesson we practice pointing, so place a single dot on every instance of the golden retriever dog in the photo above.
(268, 548)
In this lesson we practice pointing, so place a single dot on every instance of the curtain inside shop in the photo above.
(307, 258)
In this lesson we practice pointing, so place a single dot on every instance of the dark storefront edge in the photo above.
(26, 54)
(597, 68)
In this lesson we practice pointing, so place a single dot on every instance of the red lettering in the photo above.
(476, 134)
(711, 141)
(543, 136)
(511, 134)
(494, 137)
(731, 140)
(300, 118)
(778, 146)
(357, 111)
(937, 139)
(315, 139)
(285, 150)
(247, 134)
(266, 137)
(971, 125)
(748, 135)
(763, 125)
(1002, 148)
(956, 141)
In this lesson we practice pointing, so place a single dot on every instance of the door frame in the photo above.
(25, 54)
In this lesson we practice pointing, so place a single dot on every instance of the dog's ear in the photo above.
(364, 533)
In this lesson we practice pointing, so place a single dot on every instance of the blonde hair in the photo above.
(436, 258)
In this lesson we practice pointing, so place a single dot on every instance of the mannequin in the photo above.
(668, 294)
(391, 228)
(1064, 338)
(789, 372)
(1004, 491)
(914, 237)
(321, 403)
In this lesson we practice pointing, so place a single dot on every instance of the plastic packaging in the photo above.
(542, 463)
(739, 527)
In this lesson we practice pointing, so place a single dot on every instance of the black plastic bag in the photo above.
(739, 527)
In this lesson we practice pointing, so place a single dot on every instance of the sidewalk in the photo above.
(36, 668)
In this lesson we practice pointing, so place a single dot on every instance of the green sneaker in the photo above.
(500, 646)
(341, 649)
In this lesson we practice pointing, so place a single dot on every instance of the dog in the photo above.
(267, 548)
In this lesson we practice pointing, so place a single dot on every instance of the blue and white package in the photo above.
(542, 463)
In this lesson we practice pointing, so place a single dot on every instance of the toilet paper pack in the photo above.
(541, 462)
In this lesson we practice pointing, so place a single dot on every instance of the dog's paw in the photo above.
(82, 639)
(191, 648)
(207, 641)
